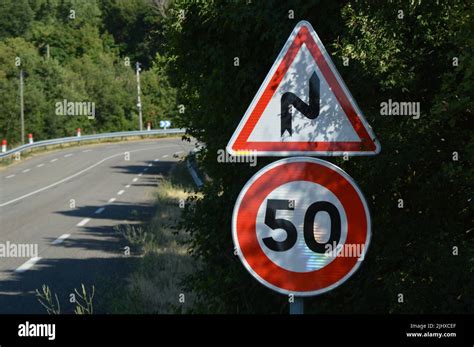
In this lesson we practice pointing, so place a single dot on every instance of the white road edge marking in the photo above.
(39, 165)
(156, 160)
(72, 176)
(87, 150)
(111, 200)
(52, 161)
(127, 186)
(121, 192)
(28, 265)
(68, 155)
(61, 239)
(99, 210)
(135, 179)
(10, 176)
(140, 174)
(26, 170)
(179, 152)
(83, 222)
(165, 156)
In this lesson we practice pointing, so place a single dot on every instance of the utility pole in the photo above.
(22, 109)
(47, 51)
(139, 103)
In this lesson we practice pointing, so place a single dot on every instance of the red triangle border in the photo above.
(366, 144)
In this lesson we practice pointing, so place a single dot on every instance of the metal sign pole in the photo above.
(297, 306)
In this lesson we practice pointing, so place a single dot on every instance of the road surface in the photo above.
(67, 203)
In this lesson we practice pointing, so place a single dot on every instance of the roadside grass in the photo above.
(155, 283)
(83, 300)
(27, 154)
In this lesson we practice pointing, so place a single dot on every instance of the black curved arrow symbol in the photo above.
(310, 111)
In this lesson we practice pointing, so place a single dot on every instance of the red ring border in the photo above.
(253, 195)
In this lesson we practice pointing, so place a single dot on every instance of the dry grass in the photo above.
(155, 286)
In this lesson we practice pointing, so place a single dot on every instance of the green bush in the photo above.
(409, 59)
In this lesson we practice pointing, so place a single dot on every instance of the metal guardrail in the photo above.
(90, 137)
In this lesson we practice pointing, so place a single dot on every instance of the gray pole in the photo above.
(22, 111)
(139, 103)
(47, 51)
(297, 307)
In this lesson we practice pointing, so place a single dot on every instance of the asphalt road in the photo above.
(67, 203)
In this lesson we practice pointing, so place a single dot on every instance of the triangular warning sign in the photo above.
(303, 107)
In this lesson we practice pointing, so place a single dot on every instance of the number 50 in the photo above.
(279, 223)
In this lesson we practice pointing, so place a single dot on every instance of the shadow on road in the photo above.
(117, 211)
(158, 168)
(63, 274)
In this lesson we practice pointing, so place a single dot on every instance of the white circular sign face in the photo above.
(301, 226)
(300, 258)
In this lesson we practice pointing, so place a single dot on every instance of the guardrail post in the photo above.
(30, 138)
(78, 132)
(4, 146)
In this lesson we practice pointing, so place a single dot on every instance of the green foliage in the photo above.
(159, 98)
(15, 17)
(407, 59)
(85, 64)
(137, 26)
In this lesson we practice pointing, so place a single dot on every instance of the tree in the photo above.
(70, 50)
(136, 26)
(15, 18)
(406, 59)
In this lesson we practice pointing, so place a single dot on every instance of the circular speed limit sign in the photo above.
(301, 226)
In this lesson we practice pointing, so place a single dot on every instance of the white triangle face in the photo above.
(303, 107)
(332, 123)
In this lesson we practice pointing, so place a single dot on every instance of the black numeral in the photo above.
(309, 217)
(279, 223)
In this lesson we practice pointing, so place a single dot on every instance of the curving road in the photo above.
(67, 203)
